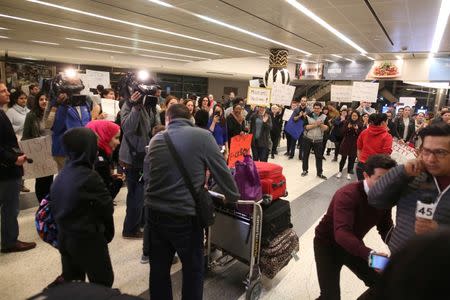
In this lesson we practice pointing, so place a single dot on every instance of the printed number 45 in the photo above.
(426, 211)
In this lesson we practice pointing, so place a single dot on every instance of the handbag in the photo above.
(203, 202)
(248, 182)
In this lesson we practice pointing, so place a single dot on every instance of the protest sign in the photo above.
(365, 91)
(40, 151)
(407, 101)
(401, 153)
(282, 93)
(258, 96)
(111, 108)
(240, 145)
(287, 114)
(341, 93)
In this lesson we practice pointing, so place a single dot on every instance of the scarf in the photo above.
(105, 130)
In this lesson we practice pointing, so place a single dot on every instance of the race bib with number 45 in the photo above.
(425, 210)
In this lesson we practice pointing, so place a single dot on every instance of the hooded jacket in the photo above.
(16, 115)
(374, 140)
(81, 203)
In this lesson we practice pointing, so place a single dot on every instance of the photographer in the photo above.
(11, 162)
(139, 116)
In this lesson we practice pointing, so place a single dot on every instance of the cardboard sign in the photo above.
(341, 93)
(287, 114)
(111, 108)
(240, 145)
(282, 93)
(407, 101)
(401, 153)
(258, 96)
(40, 150)
(365, 91)
(98, 77)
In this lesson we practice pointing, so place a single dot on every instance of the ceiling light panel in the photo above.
(44, 43)
(115, 20)
(100, 50)
(105, 34)
(161, 57)
(232, 27)
(441, 24)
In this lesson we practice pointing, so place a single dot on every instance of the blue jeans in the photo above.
(9, 205)
(135, 201)
(170, 234)
(260, 153)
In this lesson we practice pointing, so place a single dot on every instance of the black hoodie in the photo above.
(81, 203)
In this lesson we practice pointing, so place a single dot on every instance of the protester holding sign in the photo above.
(235, 121)
(275, 132)
(260, 126)
(34, 128)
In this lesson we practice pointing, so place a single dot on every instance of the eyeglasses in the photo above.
(439, 153)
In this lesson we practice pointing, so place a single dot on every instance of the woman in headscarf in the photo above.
(83, 210)
(108, 134)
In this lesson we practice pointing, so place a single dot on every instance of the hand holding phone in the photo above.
(378, 261)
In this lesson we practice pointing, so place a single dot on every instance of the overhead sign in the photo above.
(385, 69)
(347, 70)
(309, 71)
(40, 150)
(439, 69)
(365, 91)
(341, 93)
(407, 101)
(282, 93)
(258, 96)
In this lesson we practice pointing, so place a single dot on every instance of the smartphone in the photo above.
(377, 261)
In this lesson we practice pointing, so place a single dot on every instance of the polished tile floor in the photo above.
(25, 274)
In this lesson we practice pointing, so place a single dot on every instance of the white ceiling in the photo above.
(410, 24)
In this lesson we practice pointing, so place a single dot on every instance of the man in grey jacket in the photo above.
(425, 179)
(172, 218)
(313, 138)
(138, 119)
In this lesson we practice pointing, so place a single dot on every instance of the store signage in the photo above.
(282, 94)
(258, 96)
(341, 93)
(309, 71)
(347, 70)
(439, 69)
(365, 91)
(385, 69)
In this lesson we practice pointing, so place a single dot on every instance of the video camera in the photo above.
(142, 83)
(70, 85)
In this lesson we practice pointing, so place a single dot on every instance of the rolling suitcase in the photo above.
(276, 219)
(278, 253)
(273, 182)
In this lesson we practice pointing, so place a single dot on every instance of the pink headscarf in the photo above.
(105, 131)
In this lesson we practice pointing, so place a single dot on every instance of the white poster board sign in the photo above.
(40, 151)
(287, 114)
(407, 101)
(282, 93)
(254, 83)
(365, 91)
(111, 108)
(258, 96)
(401, 153)
(85, 79)
(341, 93)
(97, 77)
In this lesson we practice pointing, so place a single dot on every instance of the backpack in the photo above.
(45, 223)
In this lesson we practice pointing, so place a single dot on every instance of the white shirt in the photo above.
(366, 187)
(405, 132)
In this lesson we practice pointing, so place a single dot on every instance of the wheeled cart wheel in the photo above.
(254, 290)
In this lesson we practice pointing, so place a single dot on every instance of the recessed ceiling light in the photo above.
(105, 34)
(132, 48)
(441, 24)
(335, 55)
(138, 25)
(101, 50)
(3, 37)
(45, 43)
(324, 24)
(162, 57)
(236, 28)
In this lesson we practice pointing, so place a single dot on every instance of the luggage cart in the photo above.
(239, 237)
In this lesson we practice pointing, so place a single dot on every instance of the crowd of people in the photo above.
(160, 205)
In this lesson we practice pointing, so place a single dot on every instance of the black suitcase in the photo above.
(276, 219)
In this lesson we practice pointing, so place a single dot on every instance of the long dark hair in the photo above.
(14, 97)
(222, 117)
(36, 108)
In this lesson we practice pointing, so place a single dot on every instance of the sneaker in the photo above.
(135, 236)
(339, 175)
(304, 173)
(349, 177)
(19, 247)
(286, 153)
(144, 259)
(321, 176)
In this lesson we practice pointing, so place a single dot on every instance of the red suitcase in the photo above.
(273, 182)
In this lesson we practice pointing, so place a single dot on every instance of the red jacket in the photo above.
(373, 140)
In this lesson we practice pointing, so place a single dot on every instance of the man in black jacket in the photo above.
(11, 172)
(83, 211)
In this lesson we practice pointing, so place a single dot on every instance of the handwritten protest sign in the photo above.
(240, 145)
(341, 93)
(258, 96)
(287, 114)
(111, 108)
(40, 151)
(401, 153)
(365, 91)
(282, 94)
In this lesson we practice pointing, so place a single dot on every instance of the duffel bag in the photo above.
(278, 253)
(273, 182)
(276, 219)
(248, 183)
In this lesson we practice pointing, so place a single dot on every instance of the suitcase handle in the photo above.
(280, 184)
